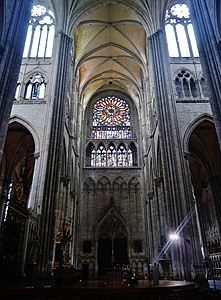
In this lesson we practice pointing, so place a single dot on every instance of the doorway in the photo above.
(111, 253)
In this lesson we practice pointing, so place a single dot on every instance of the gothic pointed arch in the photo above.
(119, 181)
(134, 183)
(16, 182)
(112, 225)
(132, 154)
(90, 155)
(186, 84)
(112, 237)
(205, 164)
(101, 155)
(30, 127)
(35, 87)
(89, 184)
(104, 182)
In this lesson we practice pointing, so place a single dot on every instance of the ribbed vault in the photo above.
(110, 47)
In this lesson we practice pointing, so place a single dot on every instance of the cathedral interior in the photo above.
(110, 134)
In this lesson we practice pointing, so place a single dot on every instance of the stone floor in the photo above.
(104, 290)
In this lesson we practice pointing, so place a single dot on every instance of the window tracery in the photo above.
(40, 35)
(187, 86)
(35, 87)
(111, 118)
(111, 156)
(179, 32)
(111, 134)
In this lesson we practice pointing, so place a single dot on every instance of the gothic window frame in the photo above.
(111, 155)
(180, 33)
(111, 118)
(134, 160)
(35, 83)
(191, 87)
(121, 95)
(41, 32)
(17, 91)
(110, 144)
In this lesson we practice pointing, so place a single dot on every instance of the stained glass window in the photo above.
(35, 87)
(122, 156)
(101, 156)
(111, 118)
(110, 157)
(179, 31)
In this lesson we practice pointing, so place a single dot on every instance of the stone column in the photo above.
(177, 197)
(215, 183)
(209, 55)
(13, 33)
(61, 63)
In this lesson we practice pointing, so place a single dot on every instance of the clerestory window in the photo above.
(40, 35)
(179, 32)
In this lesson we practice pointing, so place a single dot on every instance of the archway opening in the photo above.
(17, 172)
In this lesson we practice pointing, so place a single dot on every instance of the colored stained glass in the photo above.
(111, 119)
(111, 111)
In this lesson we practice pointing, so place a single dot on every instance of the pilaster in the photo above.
(61, 65)
(17, 15)
(209, 55)
(177, 198)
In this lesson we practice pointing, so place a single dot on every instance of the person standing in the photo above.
(156, 274)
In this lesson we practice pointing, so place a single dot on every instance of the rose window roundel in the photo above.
(111, 118)
(111, 111)
(111, 136)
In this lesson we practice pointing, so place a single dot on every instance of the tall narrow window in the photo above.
(35, 88)
(40, 36)
(187, 86)
(17, 92)
(122, 160)
(111, 156)
(179, 31)
(101, 156)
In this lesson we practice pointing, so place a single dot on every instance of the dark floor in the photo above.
(43, 289)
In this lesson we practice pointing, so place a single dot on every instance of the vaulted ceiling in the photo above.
(110, 43)
(110, 51)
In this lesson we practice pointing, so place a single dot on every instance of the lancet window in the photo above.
(35, 87)
(110, 156)
(17, 92)
(179, 32)
(40, 36)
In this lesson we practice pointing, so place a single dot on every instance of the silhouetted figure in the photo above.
(156, 274)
